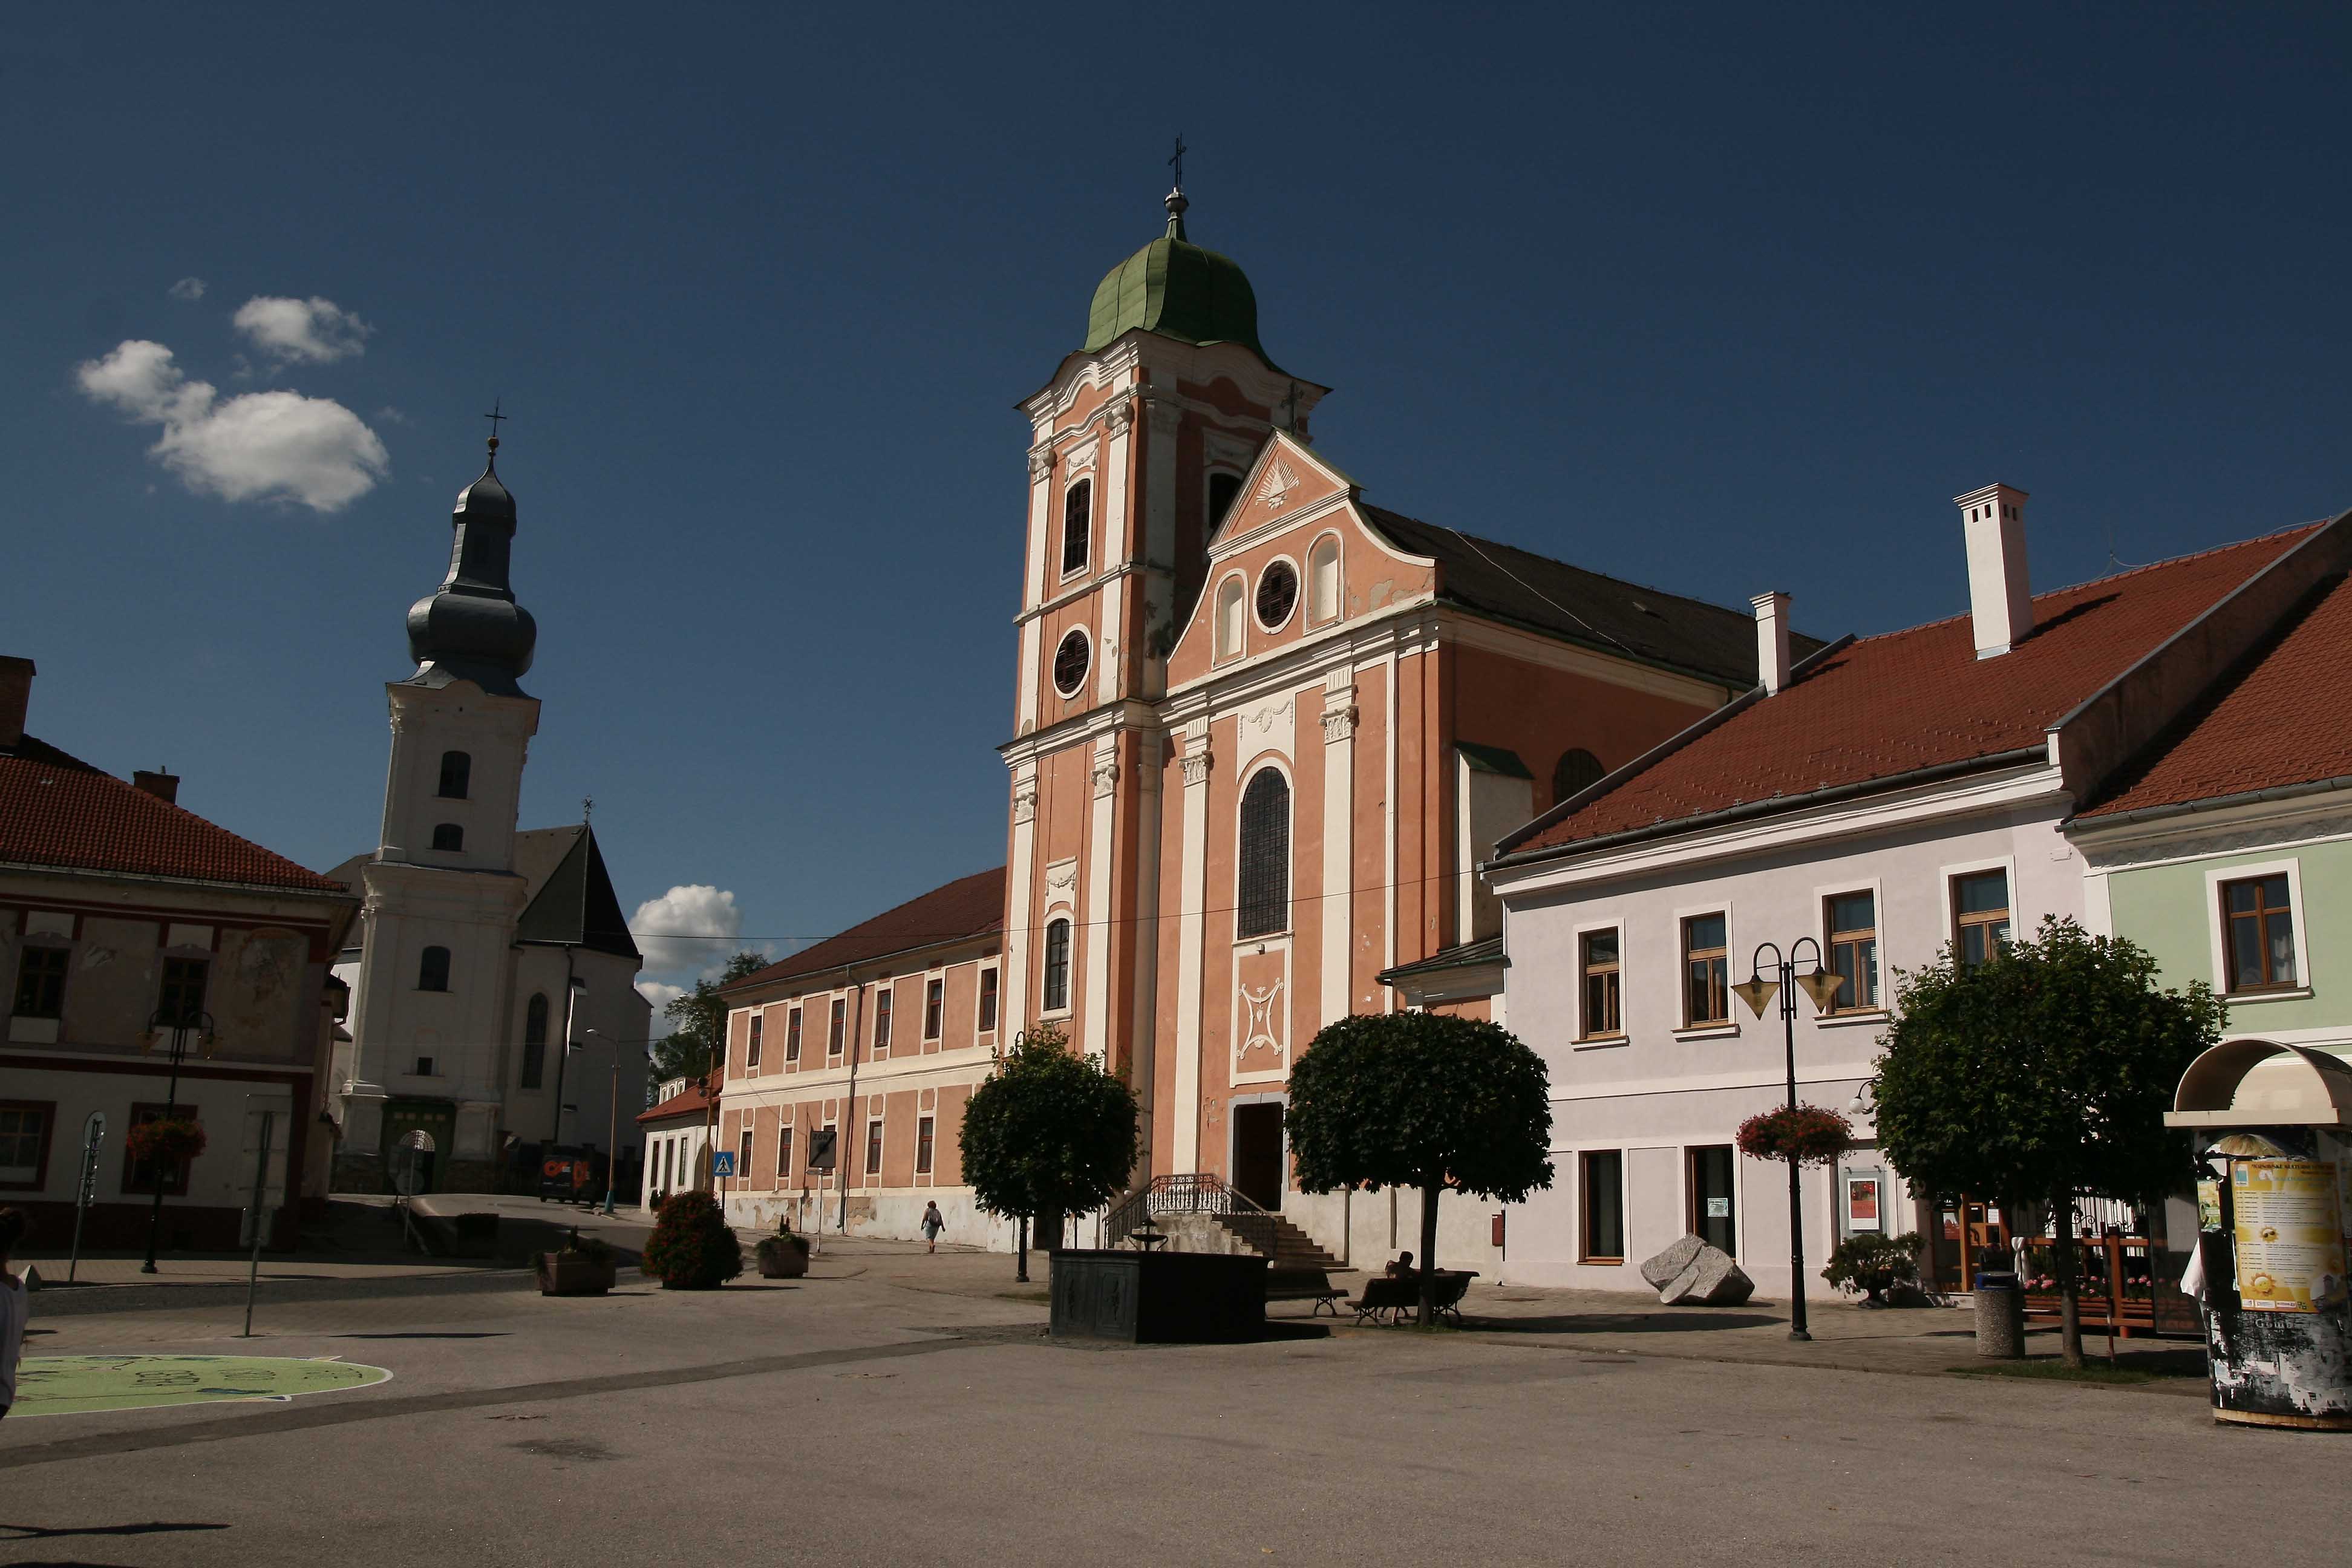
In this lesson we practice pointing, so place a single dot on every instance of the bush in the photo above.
(692, 1246)
(1869, 1263)
(594, 1248)
(166, 1141)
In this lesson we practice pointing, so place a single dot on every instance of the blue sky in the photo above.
(1717, 300)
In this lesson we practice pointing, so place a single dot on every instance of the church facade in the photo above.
(480, 950)
(1264, 731)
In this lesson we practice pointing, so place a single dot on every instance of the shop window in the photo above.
(1852, 922)
(1263, 877)
(1706, 980)
(2258, 926)
(1600, 964)
(1602, 1174)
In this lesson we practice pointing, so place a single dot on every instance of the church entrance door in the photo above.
(437, 1120)
(1257, 1153)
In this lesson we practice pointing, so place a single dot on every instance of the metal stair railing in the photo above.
(1197, 1192)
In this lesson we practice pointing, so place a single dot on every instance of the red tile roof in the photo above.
(57, 810)
(969, 907)
(688, 1101)
(2280, 719)
(1886, 706)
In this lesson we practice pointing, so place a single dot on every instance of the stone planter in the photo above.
(576, 1274)
(783, 1260)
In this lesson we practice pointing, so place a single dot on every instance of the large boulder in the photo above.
(1691, 1273)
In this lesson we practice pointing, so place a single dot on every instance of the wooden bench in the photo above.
(1400, 1298)
(1304, 1285)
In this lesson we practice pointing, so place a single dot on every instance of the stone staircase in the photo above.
(1294, 1249)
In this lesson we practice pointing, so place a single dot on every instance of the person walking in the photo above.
(934, 1222)
(13, 1304)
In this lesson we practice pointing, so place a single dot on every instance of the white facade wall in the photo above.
(1662, 1090)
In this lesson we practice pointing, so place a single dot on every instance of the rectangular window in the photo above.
(874, 1147)
(988, 1001)
(836, 1032)
(1600, 953)
(1057, 965)
(935, 998)
(41, 982)
(1706, 980)
(784, 1153)
(751, 1055)
(1603, 1173)
(181, 998)
(923, 1146)
(2258, 928)
(882, 1017)
(793, 1035)
(744, 1158)
(140, 1176)
(25, 1143)
(1980, 915)
(1852, 920)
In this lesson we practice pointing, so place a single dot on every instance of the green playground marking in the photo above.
(79, 1385)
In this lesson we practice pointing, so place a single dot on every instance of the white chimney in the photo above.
(2000, 595)
(1771, 640)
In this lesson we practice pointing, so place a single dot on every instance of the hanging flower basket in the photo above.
(1807, 1135)
(165, 1141)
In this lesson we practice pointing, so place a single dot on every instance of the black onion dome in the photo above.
(471, 628)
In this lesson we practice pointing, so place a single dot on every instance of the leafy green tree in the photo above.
(1049, 1133)
(1421, 1101)
(698, 1022)
(2041, 1075)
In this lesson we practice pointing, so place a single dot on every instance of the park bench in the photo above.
(1304, 1285)
(1398, 1298)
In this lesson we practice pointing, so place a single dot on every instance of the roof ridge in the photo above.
(1556, 560)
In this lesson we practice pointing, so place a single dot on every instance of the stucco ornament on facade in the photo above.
(1281, 479)
(1041, 463)
(1025, 804)
(1258, 1032)
(1338, 724)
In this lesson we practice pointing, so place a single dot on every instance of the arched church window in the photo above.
(534, 1041)
(1229, 619)
(1222, 488)
(1323, 580)
(1578, 770)
(456, 774)
(1277, 593)
(1078, 525)
(1264, 882)
(448, 836)
(1070, 661)
(1057, 965)
(433, 970)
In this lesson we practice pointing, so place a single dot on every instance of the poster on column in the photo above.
(2290, 1235)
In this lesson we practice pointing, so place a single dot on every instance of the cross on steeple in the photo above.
(1176, 161)
(495, 417)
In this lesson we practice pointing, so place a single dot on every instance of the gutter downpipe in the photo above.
(849, 1106)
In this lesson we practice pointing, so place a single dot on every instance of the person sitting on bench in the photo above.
(1402, 1268)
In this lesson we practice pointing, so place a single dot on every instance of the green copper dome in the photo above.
(1178, 290)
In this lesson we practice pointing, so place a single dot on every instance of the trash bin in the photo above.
(2271, 1128)
(1999, 1303)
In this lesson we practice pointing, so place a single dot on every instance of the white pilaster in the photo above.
(1098, 934)
(1143, 1041)
(1012, 996)
(1117, 549)
(1190, 927)
(1339, 841)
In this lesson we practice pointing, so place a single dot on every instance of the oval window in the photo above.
(1070, 664)
(1278, 591)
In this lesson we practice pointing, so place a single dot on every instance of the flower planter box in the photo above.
(782, 1261)
(573, 1274)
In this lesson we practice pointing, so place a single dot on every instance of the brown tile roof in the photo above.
(689, 1101)
(2280, 719)
(1886, 706)
(969, 907)
(57, 810)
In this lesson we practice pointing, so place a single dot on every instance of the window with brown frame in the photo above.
(25, 1129)
(1078, 525)
(935, 1007)
(874, 1147)
(923, 1139)
(784, 1152)
(1980, 915)
(1601, 1174)
(181, 997)
(883, 1000)
(1261, 882)
(41, 982)
(744, 1158)
(1852, 920)
(836, 1028)
(2258, 929)
(988, 1001)
(1598, 955)
(139, 1175)
(1057, 965)
(793, 1035)
(1706, 971)
(751, 1051)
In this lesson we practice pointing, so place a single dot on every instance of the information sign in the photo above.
(2289, 1235)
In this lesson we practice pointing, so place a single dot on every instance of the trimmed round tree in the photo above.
(692, 1246)
(1049, 1133)
(1421, 1101)
(2041, 1075)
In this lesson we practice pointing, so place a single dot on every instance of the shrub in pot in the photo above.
(784, 1256)
(585, 1267)
(1874, 1264)
(692, 1246)
(166, 1141)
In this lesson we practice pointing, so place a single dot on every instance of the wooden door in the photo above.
(1257, 1153)
(1713, 1216)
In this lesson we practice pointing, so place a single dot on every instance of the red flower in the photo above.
(1807, 1135)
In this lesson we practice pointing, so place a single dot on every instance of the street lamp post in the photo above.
(181, 1023)
(1822, 985)
(612, 1135)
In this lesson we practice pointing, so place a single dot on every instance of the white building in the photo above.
(480, 949)
(1880, 799)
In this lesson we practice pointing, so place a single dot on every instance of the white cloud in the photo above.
(664, 926)
(391, 415)
(257, 446)
(660, 994)
(314, 331)
(188, 289)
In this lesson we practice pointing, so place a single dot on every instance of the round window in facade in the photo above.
(1070, 661)
(1277, 593)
